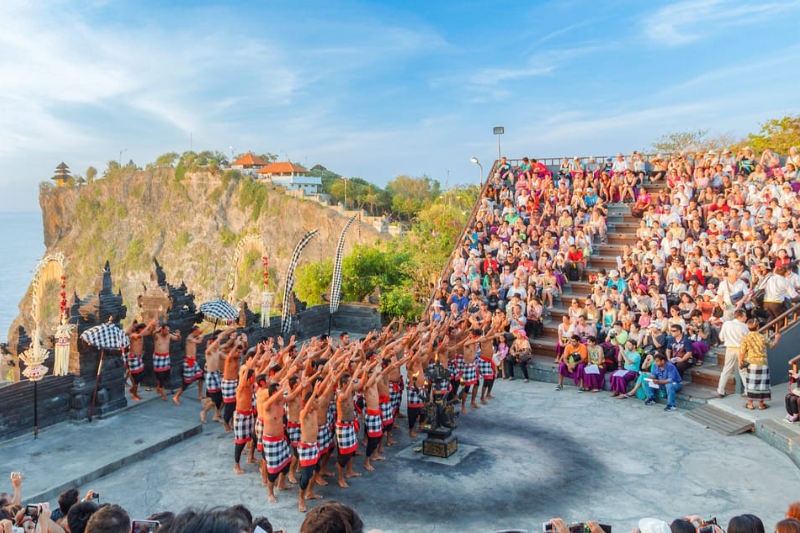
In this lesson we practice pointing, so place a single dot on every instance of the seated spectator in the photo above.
(593, 373)
(665, 377)
(629, 363)
(519, 353)
(572, 362)
(679, 349)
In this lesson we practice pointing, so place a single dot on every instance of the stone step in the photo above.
(708, 375)
(581, 288)
(624, 227)
(603, 261)
(621, 238)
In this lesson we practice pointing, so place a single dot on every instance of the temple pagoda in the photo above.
(62, 175)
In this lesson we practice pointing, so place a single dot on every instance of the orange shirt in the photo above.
(580, 349)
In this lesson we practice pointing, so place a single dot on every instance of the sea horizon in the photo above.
(22, 239)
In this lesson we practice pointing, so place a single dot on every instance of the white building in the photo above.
(292, 176)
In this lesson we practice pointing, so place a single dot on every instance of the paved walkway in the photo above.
(73, 454)
(530, 455)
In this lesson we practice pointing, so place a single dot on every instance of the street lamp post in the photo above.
(499, 130)
(345, 193)
(120, 156)
(475, 160)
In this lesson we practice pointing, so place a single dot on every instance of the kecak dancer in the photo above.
(346, 435)
(191, 370)
(277, 452)
(308, 448)
(230, 377)
(137, 332)
(486, 366)
(215, 356)
(244, 417)
(161, 364)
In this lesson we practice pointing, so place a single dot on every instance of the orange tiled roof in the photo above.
(249, 160)
(283, 168)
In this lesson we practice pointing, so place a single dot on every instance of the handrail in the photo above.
(460, 239)
(782, 321)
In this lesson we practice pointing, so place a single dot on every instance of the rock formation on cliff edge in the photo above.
(191, 225)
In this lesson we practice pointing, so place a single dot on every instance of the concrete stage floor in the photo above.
(530, 455)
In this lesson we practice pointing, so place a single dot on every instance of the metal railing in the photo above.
(781, 322)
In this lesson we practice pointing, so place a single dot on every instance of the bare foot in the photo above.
(321, 481)
(227, 427)
(474, 405)
(484, 402)
(252, 460)
(215, 418)
(136, 398)
(164, 396)
(302, 507)
(176, 400)
(292, 479)
(284, 487)
(238, 470)
(413, 434)
(313, 496)
(379, 458)
(352, 474)
(490, 397)
(343, 484)
(369, 467)
(272, 499)
(203, 417)
(464, 411)
(327, 473)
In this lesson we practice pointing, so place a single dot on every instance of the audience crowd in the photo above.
(717, 241)
(73, 515)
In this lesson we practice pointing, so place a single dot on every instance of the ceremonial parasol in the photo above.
(106, 337)
(219, 310)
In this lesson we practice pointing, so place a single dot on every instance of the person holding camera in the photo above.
(572, 362)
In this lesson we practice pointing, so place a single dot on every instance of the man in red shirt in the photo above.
(576, 260)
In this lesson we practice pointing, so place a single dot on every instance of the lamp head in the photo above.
(475, 160)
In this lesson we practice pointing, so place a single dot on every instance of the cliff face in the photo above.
(191, 224)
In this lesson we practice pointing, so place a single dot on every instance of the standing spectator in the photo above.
(109, 519)
(753, 358)
(731, 335)
(777, 288)
(665, 377)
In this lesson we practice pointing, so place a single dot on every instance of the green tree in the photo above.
(166, 160)
(680, 141)
(312, 280)
(780, 134)
(410, 195)
(91, 174)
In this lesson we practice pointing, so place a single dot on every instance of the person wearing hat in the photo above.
(615, 281)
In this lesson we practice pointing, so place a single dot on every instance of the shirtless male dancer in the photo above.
(243, 418)
(373, 421)
(470, 375)
(213, 377)
(277, 454)
(191, 370)
(137, 332)
(294, 404)
(230, 376)
(324, 428)
(345, 425)
(161, 365)
(486, 366)
(308, 447)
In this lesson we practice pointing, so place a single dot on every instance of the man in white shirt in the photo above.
(777, 289)
(732, 295)
(620, 165)
(731, 335)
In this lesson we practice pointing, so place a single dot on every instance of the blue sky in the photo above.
(377, 89)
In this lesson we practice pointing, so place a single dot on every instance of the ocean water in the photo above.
(21, 247)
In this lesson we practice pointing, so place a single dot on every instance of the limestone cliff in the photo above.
(190, 223)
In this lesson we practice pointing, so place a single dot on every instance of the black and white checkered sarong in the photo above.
(277, 453)
(243, 426)
(161, 362)
(470, 376)
(213, 381)
(395, 395)
(259, 433)
(191, 371)
(346, 437)
(324, 438)
(229, 390)
(373, 423)
(135, 363)
(387, 412)
(757, 386)
(485, 368)
(308, 453)
(293, 432)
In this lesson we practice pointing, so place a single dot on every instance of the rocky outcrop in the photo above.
(190, 223)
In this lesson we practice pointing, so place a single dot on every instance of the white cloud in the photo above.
(690, 20)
